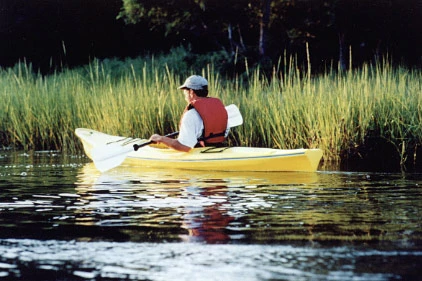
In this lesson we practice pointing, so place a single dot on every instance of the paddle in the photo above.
(138, 146)
(111, 155)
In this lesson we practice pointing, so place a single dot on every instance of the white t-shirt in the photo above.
(191, 128)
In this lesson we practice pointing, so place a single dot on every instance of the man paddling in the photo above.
(204, 121)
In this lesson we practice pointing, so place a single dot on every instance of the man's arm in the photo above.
(172, 143)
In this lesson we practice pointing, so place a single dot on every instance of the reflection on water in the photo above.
(58, 260)
(197, 206)
(61, 219)
(254, 206)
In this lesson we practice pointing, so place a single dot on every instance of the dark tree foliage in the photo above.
(376, 28)
(54, 33)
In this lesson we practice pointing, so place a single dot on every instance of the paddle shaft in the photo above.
(137, 146)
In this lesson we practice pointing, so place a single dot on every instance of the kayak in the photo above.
(106, 149)
(204, 158)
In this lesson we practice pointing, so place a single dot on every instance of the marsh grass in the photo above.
(335, 111)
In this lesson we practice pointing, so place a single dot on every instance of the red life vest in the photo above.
(215, 118)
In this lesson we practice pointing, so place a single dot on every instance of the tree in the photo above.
(266, 11)
(192, 19)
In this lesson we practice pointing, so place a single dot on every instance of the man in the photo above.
(204, 121)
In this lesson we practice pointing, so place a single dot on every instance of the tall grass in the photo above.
(290, 109)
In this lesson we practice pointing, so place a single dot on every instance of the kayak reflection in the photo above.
(207, 223)
(195, 206)
(90, 174)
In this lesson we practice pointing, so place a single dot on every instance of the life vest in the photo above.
(214, 115)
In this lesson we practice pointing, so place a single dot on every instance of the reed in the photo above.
(290, 109)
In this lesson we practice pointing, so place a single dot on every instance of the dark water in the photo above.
(60, 219)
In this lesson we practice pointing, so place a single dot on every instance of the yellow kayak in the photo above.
(108, 151)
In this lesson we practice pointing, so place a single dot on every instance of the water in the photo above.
(60, 219)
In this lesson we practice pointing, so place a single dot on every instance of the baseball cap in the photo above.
(194, 82)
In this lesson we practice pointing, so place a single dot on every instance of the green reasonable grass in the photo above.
(333, 111)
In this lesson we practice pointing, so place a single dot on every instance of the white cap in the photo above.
(194, 82)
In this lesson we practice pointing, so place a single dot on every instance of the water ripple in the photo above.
(152, 261)
(61, 218)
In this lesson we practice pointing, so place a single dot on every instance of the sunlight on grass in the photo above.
(290, 109)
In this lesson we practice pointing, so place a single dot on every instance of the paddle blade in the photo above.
(234, 115)
(104, 166)
(106, 157)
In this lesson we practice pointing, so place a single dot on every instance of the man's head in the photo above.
(196, 83)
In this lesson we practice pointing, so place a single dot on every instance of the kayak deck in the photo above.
(206, 158)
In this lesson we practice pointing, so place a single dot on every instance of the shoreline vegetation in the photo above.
(371, 116)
